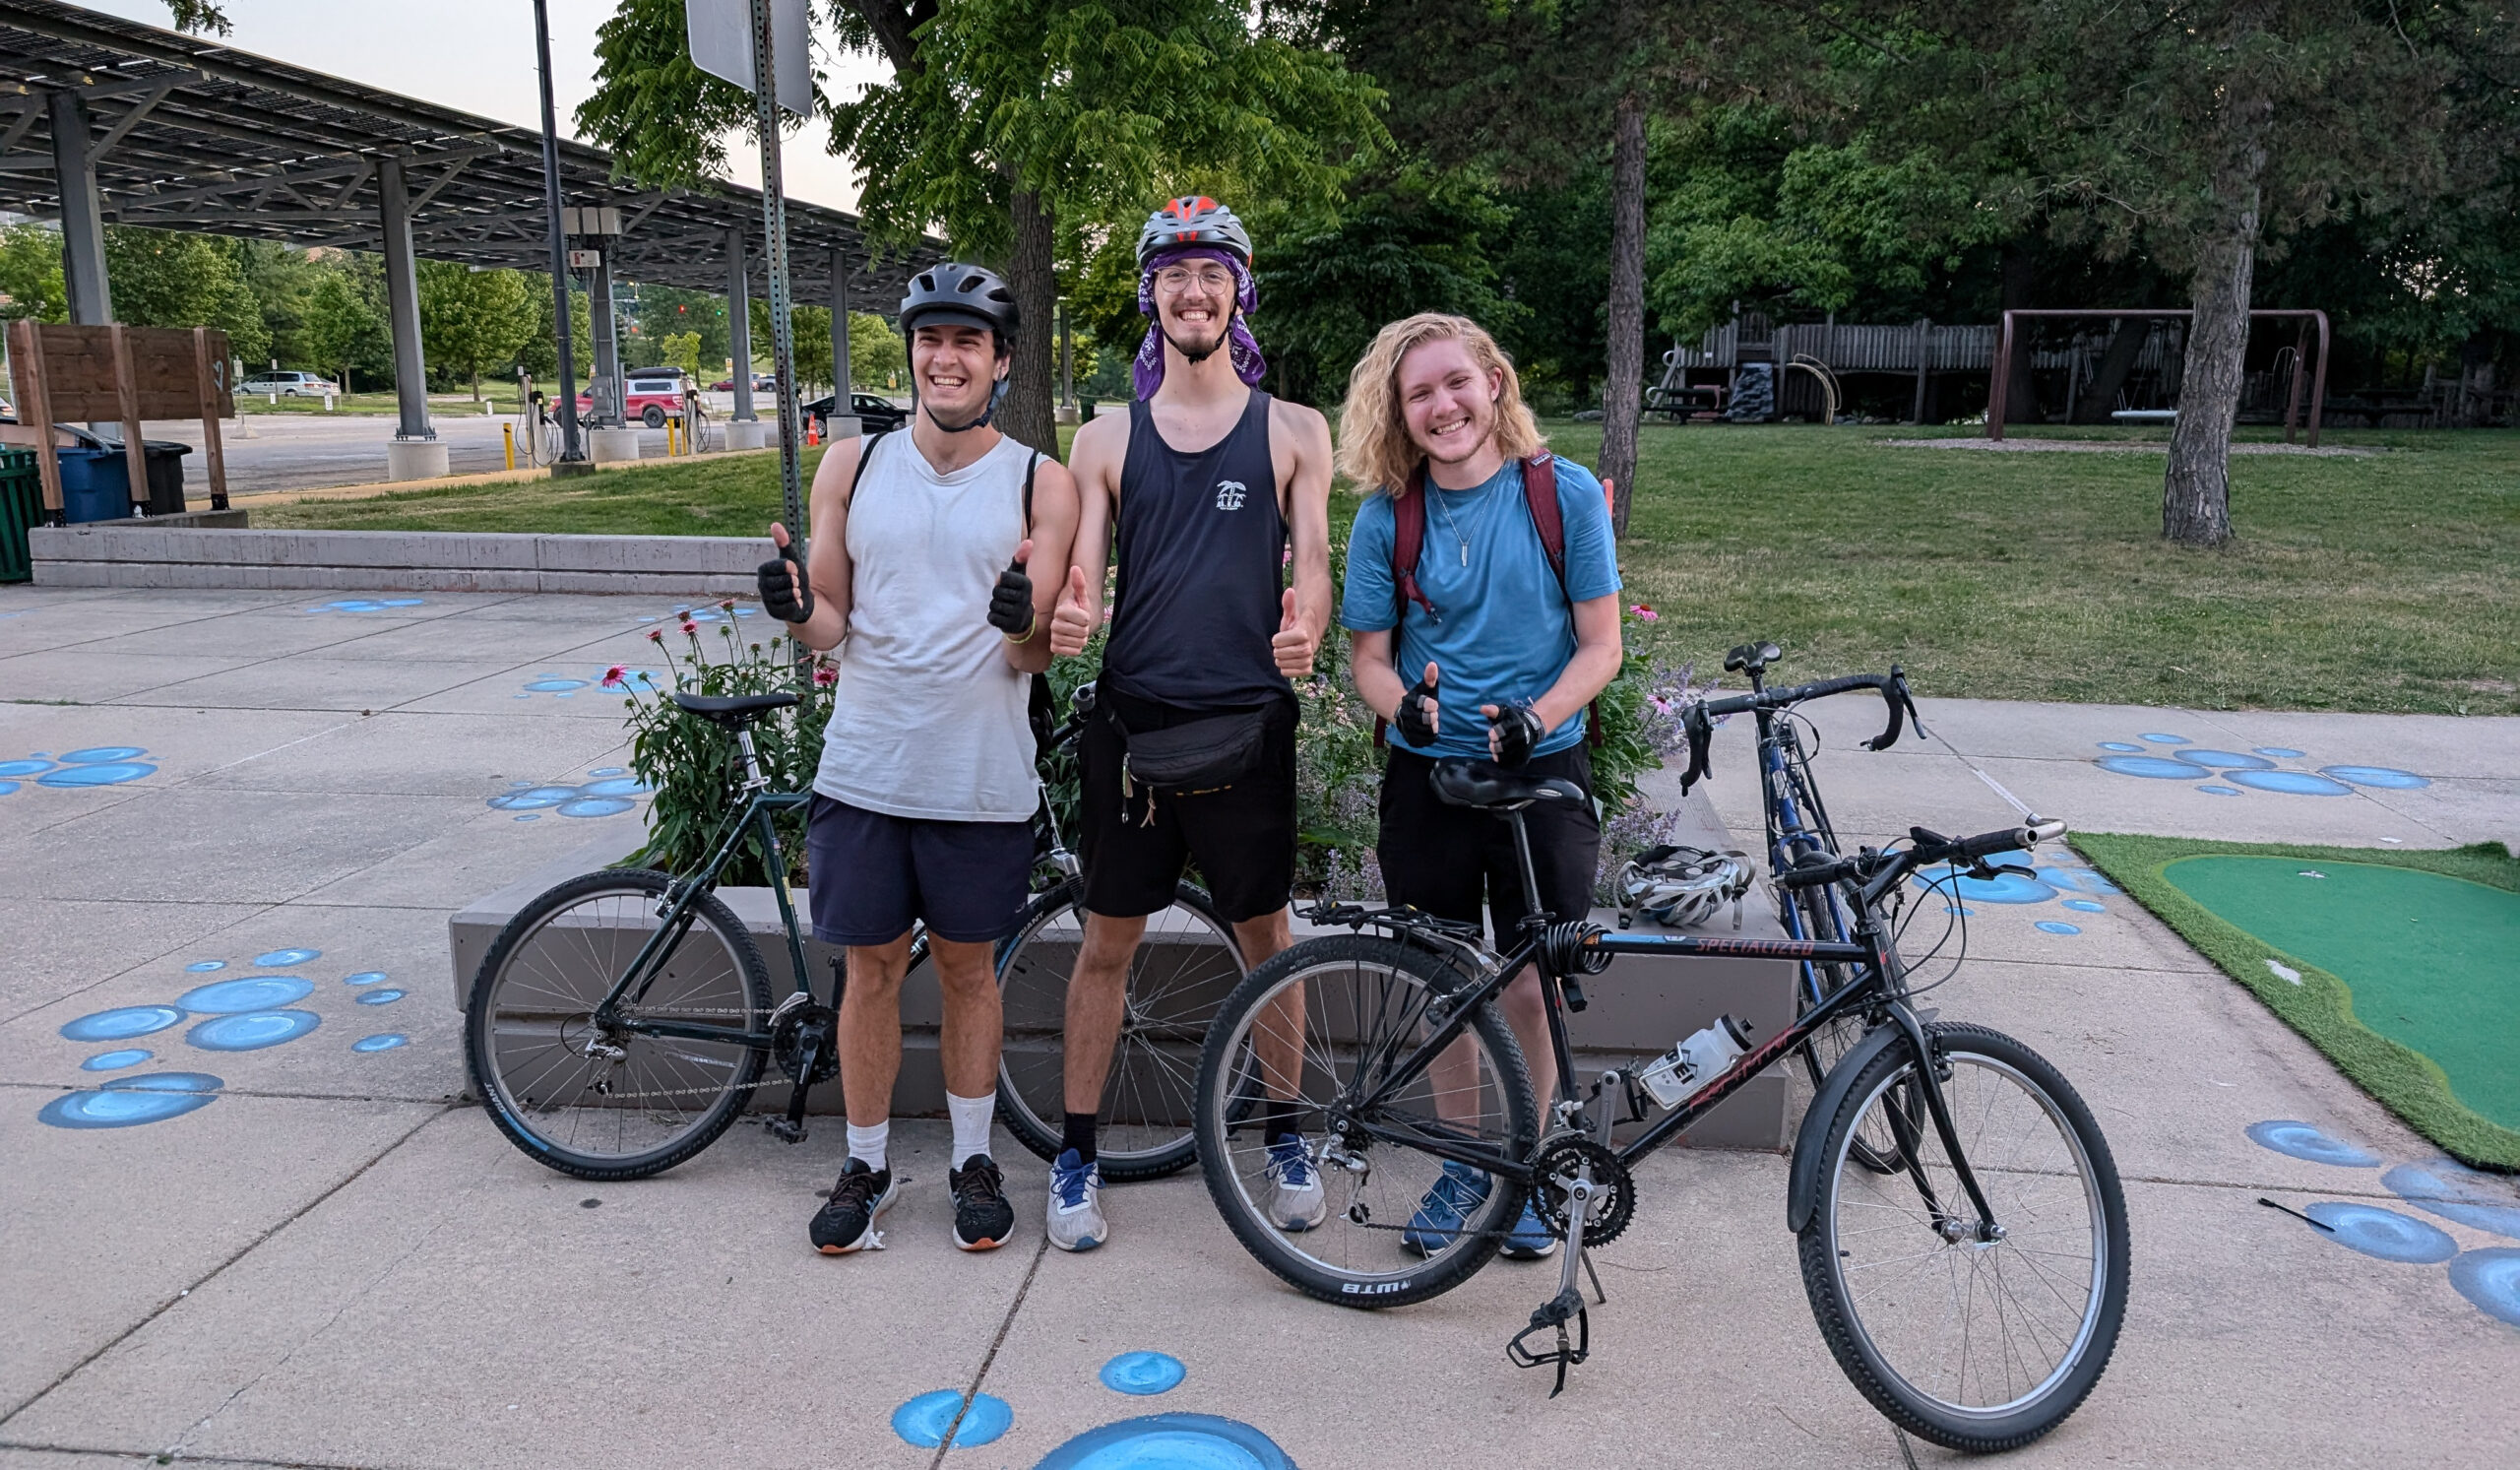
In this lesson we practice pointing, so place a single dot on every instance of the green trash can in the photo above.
(21, 509)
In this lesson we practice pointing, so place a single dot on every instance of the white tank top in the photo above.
(929, 721)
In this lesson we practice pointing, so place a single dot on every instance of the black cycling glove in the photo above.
(784, 590)
(1518, 730)
(1413, 716)
(1010, 606)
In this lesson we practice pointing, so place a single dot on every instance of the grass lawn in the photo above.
(2381, 582)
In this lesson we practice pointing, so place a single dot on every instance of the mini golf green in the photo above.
(2434, 961)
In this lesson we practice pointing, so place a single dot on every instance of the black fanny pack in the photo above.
(1202, 755)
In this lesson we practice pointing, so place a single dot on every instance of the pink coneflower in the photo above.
(1644, 614)
(825, 675)
(612, 676)
(729, 605)
(690, 627)
(656, 635)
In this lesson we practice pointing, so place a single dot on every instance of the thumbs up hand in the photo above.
(1418, 715)
(780, 580)
(1294, 645)
(1072, 621)
(1010, 604)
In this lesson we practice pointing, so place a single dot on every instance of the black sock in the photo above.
(1277, 1120)
(1078, 1134)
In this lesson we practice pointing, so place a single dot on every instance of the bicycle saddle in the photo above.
(1753, 657)
(731, 710)
(1486, 785)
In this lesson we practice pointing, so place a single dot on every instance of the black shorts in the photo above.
(871, 875)
(1243, 837)
(1446, 859)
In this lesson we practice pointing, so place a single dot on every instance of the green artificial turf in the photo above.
(2404, 958)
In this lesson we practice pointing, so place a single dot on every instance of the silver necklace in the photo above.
(1437, 496)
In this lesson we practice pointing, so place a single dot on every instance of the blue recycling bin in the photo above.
(96, 485)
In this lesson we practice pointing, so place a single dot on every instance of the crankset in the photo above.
(791, 1027)
(1613, 1189)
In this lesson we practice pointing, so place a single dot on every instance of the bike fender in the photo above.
(1802, 1178)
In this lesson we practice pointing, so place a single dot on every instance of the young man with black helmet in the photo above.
(924, 804)
(1210, 488)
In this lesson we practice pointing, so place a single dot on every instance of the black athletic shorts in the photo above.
(1243, 836)
(1446, 859)
(871, 875)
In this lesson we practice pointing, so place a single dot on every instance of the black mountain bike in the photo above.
(622, 1020)
(1973, 1291)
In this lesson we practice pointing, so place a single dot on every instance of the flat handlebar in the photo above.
(1698, 721)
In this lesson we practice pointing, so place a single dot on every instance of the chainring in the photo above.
(787, 1043)
(1614, 1188)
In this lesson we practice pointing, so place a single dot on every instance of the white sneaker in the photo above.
(1300, 1203)
(1076, 1220)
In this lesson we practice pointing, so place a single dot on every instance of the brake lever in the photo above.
(1894, 693)
(1701, 737)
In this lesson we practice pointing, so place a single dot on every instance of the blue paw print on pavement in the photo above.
(1154, 1441)
(368, 605)
(609, 680)
(2224, 773)
(608, 792)
(2046, 881)
(2487, 1277)
(246, 1013)
(98, 765)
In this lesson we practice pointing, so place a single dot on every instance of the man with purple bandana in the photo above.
(1209, 491)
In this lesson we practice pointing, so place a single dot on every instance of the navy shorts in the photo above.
(871, 875)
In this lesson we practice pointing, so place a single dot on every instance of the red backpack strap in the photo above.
(1408, 539)
(1539, 492)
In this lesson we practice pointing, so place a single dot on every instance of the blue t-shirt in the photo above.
(1505, 630)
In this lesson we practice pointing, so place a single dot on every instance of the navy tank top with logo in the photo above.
(1201, 547)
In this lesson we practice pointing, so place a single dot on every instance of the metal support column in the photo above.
(840, 331)
(403, 303)
(607, 390)
(739, 321)
(83, 229)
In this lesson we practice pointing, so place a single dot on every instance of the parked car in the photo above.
(651, 400)
(762, 382)
(878, 416)
(289, 385)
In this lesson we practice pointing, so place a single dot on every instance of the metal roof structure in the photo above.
(194, 135)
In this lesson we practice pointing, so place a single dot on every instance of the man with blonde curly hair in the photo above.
(1483, 569)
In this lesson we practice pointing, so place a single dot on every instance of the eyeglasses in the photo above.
(1174, 280)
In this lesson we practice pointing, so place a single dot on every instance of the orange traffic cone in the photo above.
(812, 438)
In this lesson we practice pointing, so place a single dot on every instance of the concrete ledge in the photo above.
(146, 554)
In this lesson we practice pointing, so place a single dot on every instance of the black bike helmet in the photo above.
(961, 294)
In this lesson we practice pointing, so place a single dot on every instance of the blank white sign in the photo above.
(722, 45)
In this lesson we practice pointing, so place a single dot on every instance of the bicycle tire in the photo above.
(1155, 1059)
(500, 1041)
(1866, 1339)
(1374, 1273)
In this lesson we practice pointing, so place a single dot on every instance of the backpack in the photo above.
(1408, 539)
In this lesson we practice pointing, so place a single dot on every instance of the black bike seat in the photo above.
(1488, 786)
(1752, 657)
(731, 710)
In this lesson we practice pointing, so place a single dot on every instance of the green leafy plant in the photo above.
(696, 768)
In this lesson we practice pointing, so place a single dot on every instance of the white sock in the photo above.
(970, 1124)
(869, 1143)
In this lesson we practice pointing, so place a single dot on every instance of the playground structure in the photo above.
(2113, 367)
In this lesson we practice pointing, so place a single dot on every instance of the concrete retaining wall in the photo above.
(140, 554)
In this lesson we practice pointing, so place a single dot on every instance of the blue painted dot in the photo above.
(2385, 777)
(100, 755)
(383, 1042)
(2157, 767)
(2456, 1192)
(521, 696)
(107, 1061)
(597, 807)
(605, 771)
(253, 1030)
(2224, 760)
(108, 773)
(8, 788)
(2002, 888)
(286, 958)
(530, 816)
(120, 1108)
(2086, 905)
(554, 685)
(1144, 1373)
(2219, 791)
(2279, 753)
(2057, 926)
(121, 1024)
(363, 977)
(926, 1419)
(619, 786)
(2302, 1141)
(24, 767)
(252, 992)
(533, 798)
(2488, 1278)
(2292, 783)
(405, 602)
(2120, 746)
(2386, 1234)
(2066, 879)
(380, 997)
(1170, 1441)
(166, 1082)
(2167, 740)
(204, 967)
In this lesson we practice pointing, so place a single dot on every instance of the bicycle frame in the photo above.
(1789, 837)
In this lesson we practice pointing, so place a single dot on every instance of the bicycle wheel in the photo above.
(1185, 968)
(613, 1104)
(1977, 1346)
(1367, 1002)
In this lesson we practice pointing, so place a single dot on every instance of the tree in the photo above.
(666, 309)
(30, 283)
(812, 328)
(876, 353)
(680, 349)
(344, 325)
(540, 354)
(472, 320)
(164, 279)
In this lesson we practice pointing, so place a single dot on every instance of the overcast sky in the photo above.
(477, 55)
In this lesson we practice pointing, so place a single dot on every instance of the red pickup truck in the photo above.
(649, 400)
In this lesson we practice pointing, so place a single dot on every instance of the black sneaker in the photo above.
(983, 1219)
(846, 1221)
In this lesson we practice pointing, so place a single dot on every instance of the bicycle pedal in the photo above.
(783, 1129)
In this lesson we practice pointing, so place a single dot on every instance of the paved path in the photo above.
(337, 1263)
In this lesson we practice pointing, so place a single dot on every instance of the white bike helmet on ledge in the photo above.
(1681, 887)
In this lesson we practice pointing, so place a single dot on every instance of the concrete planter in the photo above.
(611, 446)
(1638, 1007)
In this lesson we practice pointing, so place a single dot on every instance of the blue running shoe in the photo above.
(1300, 1203)
(1529, 1240)
(1457, 1191)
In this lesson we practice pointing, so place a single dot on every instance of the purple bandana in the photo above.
(1146, 372)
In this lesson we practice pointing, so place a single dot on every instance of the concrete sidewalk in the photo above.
(337, 1262)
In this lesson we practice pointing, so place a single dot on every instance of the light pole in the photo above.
(570, 451)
